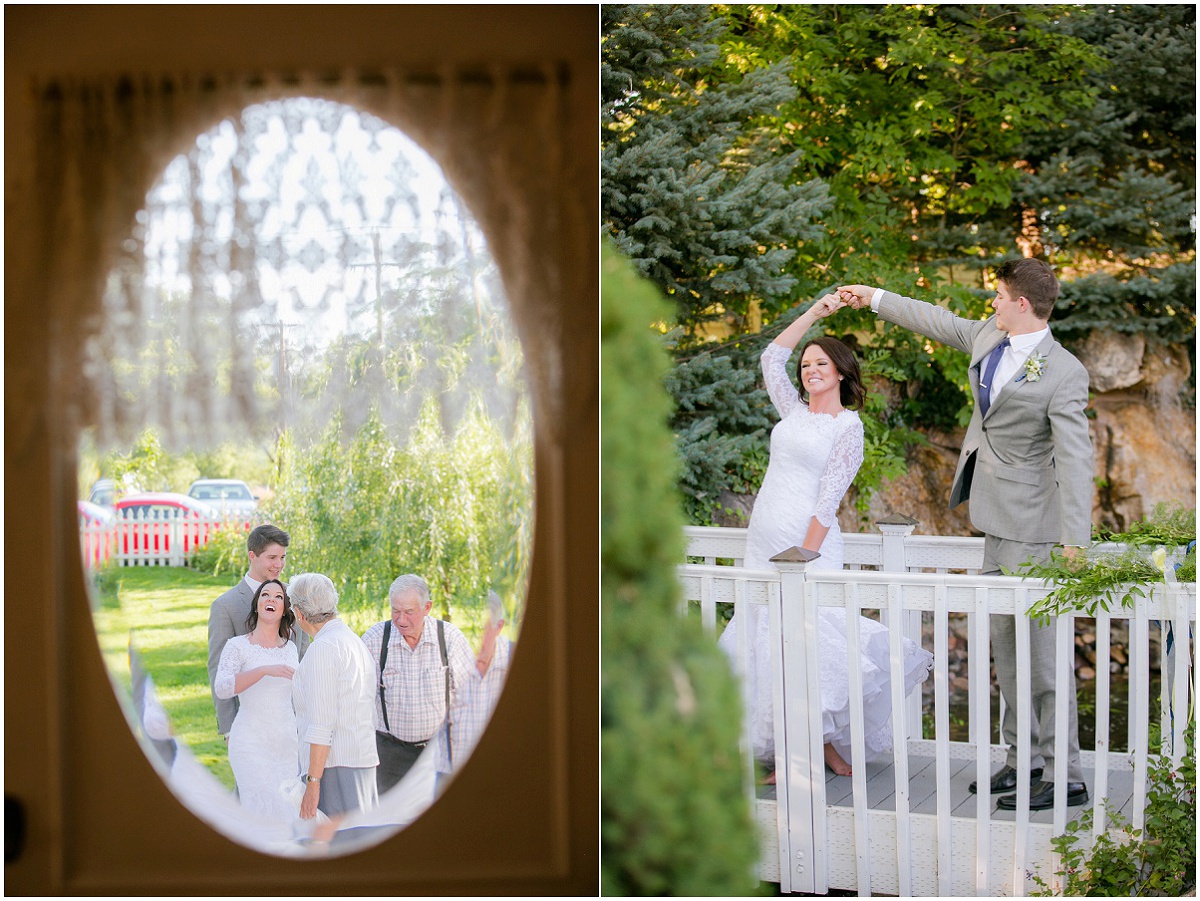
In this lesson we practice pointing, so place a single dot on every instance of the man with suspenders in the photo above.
(422, 665)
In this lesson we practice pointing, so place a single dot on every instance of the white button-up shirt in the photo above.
(1014, 357)
(470, 716)
(334, 695)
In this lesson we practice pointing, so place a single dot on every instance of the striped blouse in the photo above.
(334, 695)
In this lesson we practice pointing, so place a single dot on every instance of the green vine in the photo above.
(1169, 525)
(1120, 576)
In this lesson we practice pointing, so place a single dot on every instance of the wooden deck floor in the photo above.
(922, 798)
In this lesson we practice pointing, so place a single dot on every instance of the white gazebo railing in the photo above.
(910, 827)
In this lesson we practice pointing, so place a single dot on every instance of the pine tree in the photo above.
(720, 420)
(1113, 187)
(694, 190)
(700, 196)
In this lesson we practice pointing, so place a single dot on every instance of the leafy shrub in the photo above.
(225, 552)
(1157, 860)
(674, 818)
(106, 579)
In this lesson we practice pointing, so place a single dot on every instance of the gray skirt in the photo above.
(346, 789)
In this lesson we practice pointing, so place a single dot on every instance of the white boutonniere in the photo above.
(1035, 365)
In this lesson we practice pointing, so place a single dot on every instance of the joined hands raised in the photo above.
(857, 296)
(826, 306)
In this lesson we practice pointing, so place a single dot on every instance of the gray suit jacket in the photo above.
(1026, 467)
(227, 618)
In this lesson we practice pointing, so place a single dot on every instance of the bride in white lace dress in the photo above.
(258, 668)
(816, 450)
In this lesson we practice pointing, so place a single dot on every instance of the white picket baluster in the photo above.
(927, 865)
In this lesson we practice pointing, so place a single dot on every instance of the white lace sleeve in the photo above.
(844, 461)
(782, 392)
(227, 669)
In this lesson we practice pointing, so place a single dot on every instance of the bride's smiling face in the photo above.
(818, 375)
(270, 604)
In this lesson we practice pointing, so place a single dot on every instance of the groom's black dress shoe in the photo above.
(1041, 796)
(1006, 780)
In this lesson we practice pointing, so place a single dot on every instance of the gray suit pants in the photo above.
(998, 552)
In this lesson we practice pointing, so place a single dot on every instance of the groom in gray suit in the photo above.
(266, 548)
(1026, 468)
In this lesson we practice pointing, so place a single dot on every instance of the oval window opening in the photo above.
(306, 373)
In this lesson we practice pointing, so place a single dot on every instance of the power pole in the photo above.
(282, 378)
(378, 264)
(472, 264)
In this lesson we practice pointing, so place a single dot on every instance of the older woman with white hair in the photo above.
(334, 695)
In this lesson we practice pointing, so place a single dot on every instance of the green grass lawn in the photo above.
(164, 610)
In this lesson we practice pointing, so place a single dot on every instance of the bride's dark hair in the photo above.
(285, 621)
(853, 393)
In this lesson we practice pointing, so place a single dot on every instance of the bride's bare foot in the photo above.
(834, 761)
(770, 778)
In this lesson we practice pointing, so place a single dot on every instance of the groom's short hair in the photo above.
(261, 537)
(1032, 279)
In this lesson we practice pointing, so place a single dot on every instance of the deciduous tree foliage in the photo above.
(453, 508)
(949, 137)
(914, 116)
(674, 818)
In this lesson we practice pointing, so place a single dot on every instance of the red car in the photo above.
(161, 528)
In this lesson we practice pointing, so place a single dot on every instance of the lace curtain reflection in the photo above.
(182, 290)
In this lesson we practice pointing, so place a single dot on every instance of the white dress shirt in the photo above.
(1014, 357)
(333, 691)
(475, 704)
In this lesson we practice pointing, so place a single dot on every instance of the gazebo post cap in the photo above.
(795, 555)
(897, 519)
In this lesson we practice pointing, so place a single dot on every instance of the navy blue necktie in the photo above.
(985, 383)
